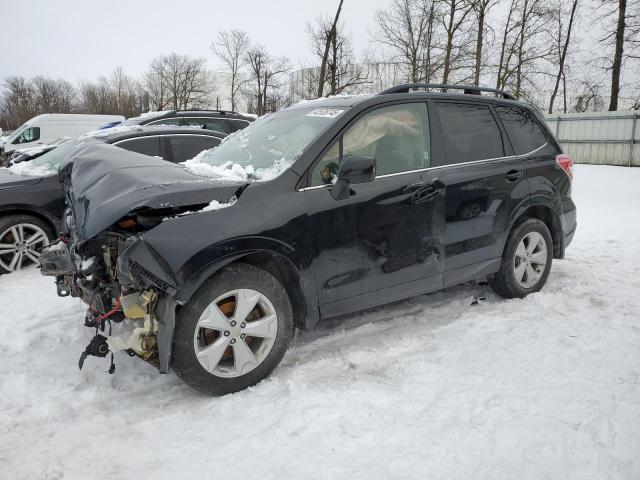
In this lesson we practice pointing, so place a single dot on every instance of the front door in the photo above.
(384, 242)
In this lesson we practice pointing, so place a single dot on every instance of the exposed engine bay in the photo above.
(127, 304)
(90, 272)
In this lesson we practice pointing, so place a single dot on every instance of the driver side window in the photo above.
(397, 136)
(31, 134)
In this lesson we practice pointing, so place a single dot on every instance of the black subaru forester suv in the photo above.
(322, 209)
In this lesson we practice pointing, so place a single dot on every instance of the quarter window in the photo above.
(185, 147)
(470, 132)
(397, 136)
(523, 129)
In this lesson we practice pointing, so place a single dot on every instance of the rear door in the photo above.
(485, 185)
(384, 242)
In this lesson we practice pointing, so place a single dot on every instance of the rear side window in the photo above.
(185, 147)
(525, 133)
(470, 132)
(145, 145)
(215, 124)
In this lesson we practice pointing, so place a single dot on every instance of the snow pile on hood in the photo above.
(226, 171)
(31, 170)
(234, 171)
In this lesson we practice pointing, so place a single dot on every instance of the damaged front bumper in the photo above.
(135, 298)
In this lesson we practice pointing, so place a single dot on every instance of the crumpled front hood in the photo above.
(107, 182)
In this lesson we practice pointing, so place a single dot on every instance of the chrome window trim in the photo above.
(439, 167)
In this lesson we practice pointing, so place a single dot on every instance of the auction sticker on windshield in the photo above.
(325, 112)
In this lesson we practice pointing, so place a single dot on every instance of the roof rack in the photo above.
(210, 110)
(468, 89)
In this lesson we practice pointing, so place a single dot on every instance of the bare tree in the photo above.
(481, 9)
(590, 98)
(526, 43)
(264, 84)
(231, 48)
(178, 82)
(625, 36)
(327, 45)
(563, 39)
(342, 72)
(53, 96)
(456, 15)
(407, 29)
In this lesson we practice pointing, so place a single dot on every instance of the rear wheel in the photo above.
(526, 261)
(22, 238)
(233, 332)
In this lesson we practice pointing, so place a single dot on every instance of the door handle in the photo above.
(513, 175)
(422, 192)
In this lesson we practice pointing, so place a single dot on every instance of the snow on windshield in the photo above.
(267, 147)
(47, 163)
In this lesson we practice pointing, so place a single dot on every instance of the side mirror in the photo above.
(353, 169)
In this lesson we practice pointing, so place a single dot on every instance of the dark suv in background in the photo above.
(31, 199)
(218, 120)
(319, 210)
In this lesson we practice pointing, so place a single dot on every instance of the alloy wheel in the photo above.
(235, 333)
(20, 246)
(530, 260)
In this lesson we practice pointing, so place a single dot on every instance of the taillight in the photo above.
(566, 163)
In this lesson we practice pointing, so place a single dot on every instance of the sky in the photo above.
(82, 39)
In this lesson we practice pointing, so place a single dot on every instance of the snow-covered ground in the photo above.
(542, 388)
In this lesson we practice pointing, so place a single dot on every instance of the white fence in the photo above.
(602, 138)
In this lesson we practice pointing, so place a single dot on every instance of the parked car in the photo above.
(322, 209)
(49, 127)
(31, 197)
(218, 120)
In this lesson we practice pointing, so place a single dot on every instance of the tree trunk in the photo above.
(447, 53)
(325, 55)
(563, 56)
(479, 40)
(499, 83)
(617, 58)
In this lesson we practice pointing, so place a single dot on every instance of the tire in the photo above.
(201, 324)
(19, 229)
(515, 279)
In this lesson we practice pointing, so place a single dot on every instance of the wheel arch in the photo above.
(278, 265)
(52, 223)
(550, 218)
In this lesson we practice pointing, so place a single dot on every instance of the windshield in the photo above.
(47, 163)
(16, 133)
(267, 147)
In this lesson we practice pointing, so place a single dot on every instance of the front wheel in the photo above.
(233, 332)
(22, 238)
(526, 261)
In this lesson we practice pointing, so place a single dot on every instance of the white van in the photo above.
(49, 127)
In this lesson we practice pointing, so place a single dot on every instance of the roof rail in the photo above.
(468, 89)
